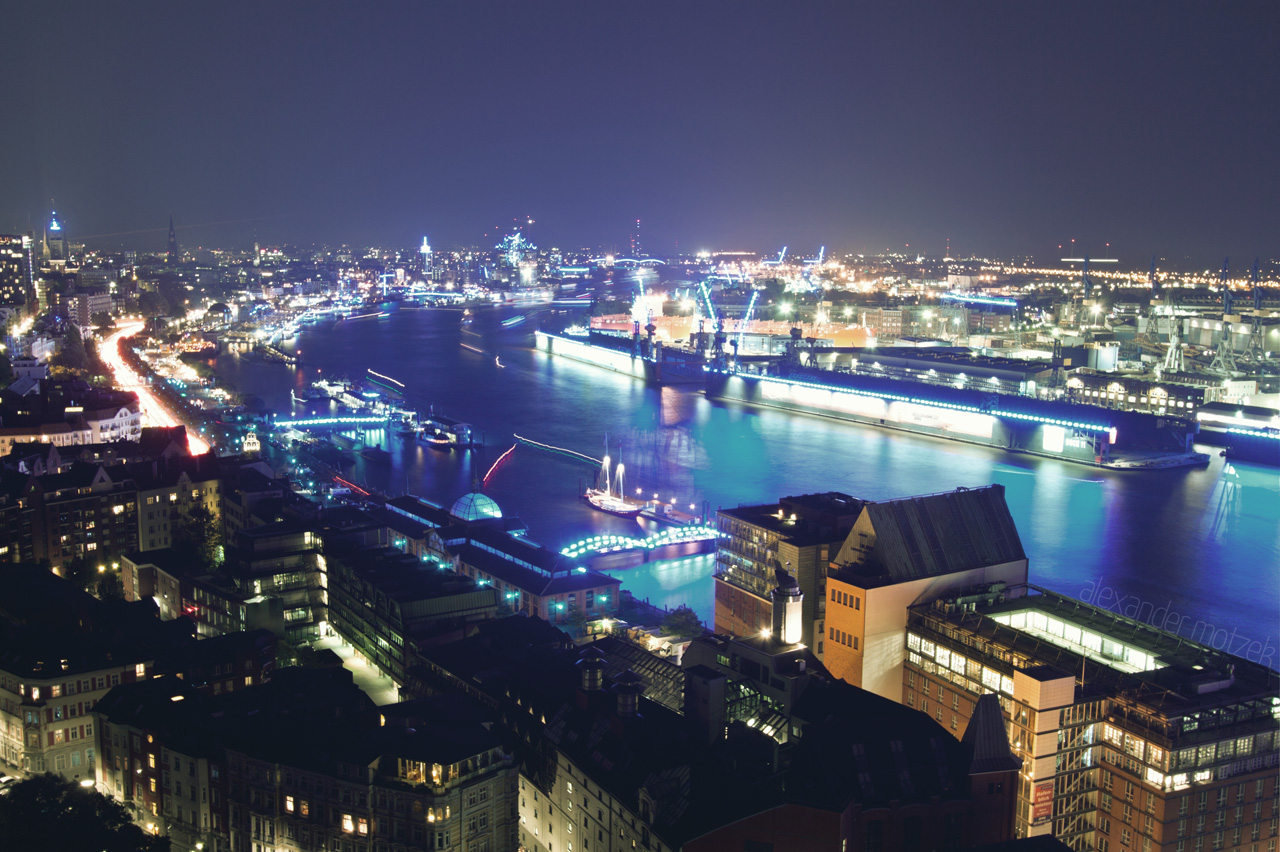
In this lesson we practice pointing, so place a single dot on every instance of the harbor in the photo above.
(1077, 522)
(978, 408)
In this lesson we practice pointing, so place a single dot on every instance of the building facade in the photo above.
(1130, 738)
(901, 553)
(798, 534)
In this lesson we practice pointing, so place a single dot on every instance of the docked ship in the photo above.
(603, 498)
(1245, 432)
(445, 433)
(311, 394)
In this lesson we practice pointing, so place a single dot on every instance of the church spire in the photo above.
(172, 259)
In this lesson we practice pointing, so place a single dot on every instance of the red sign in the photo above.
(1042, 803)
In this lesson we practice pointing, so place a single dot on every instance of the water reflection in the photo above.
(1208, 539)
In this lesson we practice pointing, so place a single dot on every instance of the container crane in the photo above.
(1224, 357)
(1257, 351)
(1085, 281)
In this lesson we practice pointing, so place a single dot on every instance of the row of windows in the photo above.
(844, 638)
(845, 599)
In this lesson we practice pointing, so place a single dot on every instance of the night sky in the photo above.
(1008, 127)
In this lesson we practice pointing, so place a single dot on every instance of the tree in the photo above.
(80, 572)
(198, 538)
(50, 812)
(6, 369)
(72, 354)
(682, 621)
(102, 319)
(110, 586)
(152, 304)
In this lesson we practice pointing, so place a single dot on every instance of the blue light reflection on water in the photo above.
(1204, 541)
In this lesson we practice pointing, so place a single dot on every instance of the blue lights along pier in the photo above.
(1200, 538)
(1081, 433)
(1104, 437)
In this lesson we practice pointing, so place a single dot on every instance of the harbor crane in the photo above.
(781, 256)
(742, 327)
(1085, 281)
(1150, 336)
(1224, 357)
(822, 251)
(1257, 351)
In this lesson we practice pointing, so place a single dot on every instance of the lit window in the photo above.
(364, 825)
(288, 803)
(348, 825)
(140, 670)
(151, 761)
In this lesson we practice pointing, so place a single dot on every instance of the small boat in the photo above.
(603, 499)
(311, 394)
(446, 433)
(438, 440)
(376, 454)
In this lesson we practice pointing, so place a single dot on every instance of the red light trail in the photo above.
(153, 413)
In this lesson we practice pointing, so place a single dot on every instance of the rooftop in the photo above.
(932, 535)
(1111, 654)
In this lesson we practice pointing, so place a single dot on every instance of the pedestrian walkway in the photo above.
(380, 688)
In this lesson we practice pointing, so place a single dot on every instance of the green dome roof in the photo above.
(475, 507)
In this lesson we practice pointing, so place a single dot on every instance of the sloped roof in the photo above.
(943, 533)
(987, 738)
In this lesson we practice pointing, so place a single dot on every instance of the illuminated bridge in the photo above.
(328, 422)
(623, 550)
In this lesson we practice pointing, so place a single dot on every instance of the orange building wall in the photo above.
(845, 628)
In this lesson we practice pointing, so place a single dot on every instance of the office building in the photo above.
(798, 534)
(17, 285)
(1130, 738)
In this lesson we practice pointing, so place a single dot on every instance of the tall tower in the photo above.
(172, 258)
(55, 240)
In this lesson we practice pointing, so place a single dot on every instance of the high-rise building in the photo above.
(1130, 737)
(56, 248)
(172, 256)
(17, 285)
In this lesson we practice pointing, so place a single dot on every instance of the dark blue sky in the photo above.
(1008, 127)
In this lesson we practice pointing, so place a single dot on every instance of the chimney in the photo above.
(628, 688)
(788, 601)
(591, 669)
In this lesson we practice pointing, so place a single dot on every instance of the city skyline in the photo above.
(1008, 131)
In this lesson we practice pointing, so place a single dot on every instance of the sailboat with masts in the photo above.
(602, 497)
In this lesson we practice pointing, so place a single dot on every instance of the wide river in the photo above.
(1196, 550)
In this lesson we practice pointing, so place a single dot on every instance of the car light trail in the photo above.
(153, 413)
